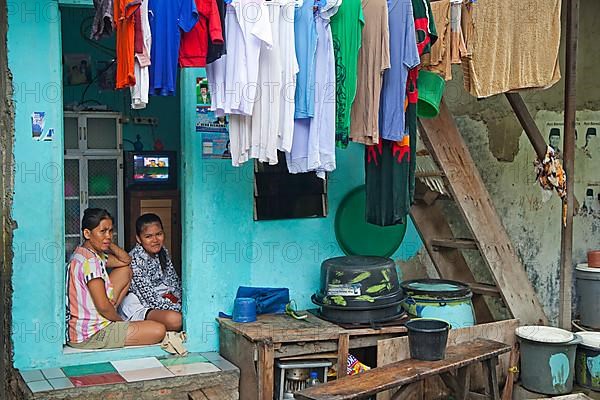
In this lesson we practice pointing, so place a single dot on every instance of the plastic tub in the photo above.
(427, 338)
(547, 359)
(587, 361)
(431, 88)
(439, 299)
(588, 294)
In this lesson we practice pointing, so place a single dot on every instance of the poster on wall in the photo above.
(214, 130)
(77, 68)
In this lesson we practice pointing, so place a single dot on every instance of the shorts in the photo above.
(111, 337)
(131, 309)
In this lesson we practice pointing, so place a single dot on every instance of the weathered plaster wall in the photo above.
(7, 381)
(504, 157)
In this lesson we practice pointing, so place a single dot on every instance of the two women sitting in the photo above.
(134, 304)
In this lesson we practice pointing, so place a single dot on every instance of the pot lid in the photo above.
(590, 339)
(544, 334)
(583, 267)
(357, 237)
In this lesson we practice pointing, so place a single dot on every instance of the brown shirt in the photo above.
(373, 60)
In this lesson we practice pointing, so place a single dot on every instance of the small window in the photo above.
(281, 195)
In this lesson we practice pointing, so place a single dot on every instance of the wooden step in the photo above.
(446, 244)
(449, 150)
(485, 290)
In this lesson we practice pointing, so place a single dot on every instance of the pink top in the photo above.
(82, 317)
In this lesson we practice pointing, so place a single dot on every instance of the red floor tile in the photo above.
(91, 380)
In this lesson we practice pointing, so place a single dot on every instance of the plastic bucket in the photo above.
(427, 338)
(588, 295)
(587, 361)
(244, 309)
(446, 300)
(431, 88)
(547, 359)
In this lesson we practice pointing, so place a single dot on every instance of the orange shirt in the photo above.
(124, 22)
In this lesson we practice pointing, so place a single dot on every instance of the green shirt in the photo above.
(346, 29)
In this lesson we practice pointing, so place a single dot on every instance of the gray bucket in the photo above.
(588, 295)
(587, 363)
(547, 364)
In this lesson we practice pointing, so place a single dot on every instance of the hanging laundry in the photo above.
(167, 20)
(289, 71)
(440, 61)
(373, 60)
(217, 49)
(404, 55)
(233, 79)
(305, 32)
(346, 28)
(259, 133)
(390, 165)
(313, 146)
(505, 58)
(124, 11)
(194, 44)
(142, 45)
(103, 23)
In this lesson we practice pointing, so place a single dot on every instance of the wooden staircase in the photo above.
(442, 139)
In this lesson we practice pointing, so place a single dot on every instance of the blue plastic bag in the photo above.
(268, 300)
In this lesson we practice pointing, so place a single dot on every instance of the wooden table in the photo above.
(409, 375)
(254, 346)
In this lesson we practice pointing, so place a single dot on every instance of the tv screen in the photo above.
(148, 168)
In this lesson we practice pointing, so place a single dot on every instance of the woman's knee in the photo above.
(174, 321)
(156, 330)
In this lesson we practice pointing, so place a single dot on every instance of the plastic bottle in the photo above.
(313, 380)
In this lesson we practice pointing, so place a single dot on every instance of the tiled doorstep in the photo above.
(89, 369)
(191, 358)
(61, 383)
(39, 386)
(146, 374)
(192, 369)
(136, 364)
(32, 376)
(53, 373)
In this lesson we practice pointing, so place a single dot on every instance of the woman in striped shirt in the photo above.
(93, 294)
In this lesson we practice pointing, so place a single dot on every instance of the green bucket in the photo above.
(431, 88)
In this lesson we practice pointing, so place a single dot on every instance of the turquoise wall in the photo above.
(223, 247)
(166, 109)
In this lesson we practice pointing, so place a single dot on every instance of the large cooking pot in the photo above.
(359, 289)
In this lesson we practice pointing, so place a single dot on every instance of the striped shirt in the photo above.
(83, 320)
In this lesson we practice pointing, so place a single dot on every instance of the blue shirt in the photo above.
(305, 32)
(404, 55)
(167, 18)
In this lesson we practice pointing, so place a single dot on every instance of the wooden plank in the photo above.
(463, 378)
(431, 222)
(442, 138)
(450, 243)
(483, 289)
(531, 130)
(219, 393)
(322, 346)
(403, 372)
(490, 372)
(240, 352)
(266, 371)
(397, 349)
(342, 355)
(413, 390)
(566, 237)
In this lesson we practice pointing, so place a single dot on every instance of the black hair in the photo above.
(141, 223)
(92, 218)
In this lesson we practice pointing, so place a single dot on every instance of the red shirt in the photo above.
(124, 23)
(194, 44)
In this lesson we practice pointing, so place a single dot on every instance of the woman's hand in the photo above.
(117, 257)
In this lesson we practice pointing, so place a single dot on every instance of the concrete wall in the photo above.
(505, 158)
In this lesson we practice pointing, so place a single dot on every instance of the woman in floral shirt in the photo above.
(155, 291)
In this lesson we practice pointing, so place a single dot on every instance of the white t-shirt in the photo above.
(289, 64)
(139, 92)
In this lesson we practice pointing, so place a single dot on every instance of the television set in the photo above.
(150, 170)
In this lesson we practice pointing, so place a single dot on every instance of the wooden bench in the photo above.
(408, 375)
